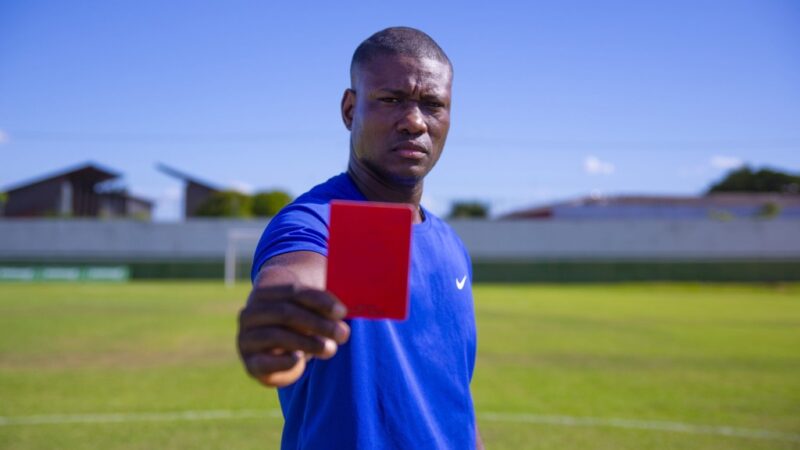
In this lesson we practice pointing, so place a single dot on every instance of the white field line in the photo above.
(58, 419)
(568, 421)
(677, 427)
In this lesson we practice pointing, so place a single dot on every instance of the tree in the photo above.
(267, 204)
(227, 204)
(769, 210)
(468, 209)
(746, 179)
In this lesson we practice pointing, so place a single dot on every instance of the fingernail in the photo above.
(340, 332)
(339, 310)
(330, 347)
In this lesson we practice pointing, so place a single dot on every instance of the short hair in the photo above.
(405, 41)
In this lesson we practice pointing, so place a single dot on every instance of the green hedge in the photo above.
(497, 271)
(591, 271)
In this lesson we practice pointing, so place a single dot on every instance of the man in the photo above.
(353, 384)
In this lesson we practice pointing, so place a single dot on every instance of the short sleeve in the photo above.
(298, 227)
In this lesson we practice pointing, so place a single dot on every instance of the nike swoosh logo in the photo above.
(460, 283)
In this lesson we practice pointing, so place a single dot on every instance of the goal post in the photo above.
(241, 241)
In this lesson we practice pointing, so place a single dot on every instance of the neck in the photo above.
(377, 189)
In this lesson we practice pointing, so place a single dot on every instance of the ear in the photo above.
(348, 104)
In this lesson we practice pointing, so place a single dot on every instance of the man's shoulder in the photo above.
(316, 200)
(337, 187)
(302, 225)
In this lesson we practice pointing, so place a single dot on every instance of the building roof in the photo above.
(183, 176)
(128, 196)
(88, 171)
(715, 200)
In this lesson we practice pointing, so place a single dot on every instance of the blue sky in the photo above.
(551, 100)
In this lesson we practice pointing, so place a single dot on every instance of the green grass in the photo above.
(717, 355)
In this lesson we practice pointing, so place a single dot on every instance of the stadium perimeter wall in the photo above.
(506, 251)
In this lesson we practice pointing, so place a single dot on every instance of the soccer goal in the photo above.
(240, 245)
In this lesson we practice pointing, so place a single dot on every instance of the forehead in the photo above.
(404, 72)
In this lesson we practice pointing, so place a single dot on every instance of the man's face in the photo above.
(398, 113)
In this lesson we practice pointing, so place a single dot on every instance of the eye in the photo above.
(389, 100)
(434, 104)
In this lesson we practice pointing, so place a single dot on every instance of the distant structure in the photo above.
(195, 191)
(83, 191)
(712, 206)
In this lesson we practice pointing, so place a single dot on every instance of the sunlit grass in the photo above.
(719, 355)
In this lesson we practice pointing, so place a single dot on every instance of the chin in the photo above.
(398, 174)
(407, 181)
(403, 178)
(408, 176)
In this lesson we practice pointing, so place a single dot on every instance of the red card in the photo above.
(369, 251)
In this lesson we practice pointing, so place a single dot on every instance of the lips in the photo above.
(411, 150)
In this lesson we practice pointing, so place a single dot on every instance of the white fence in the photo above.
(40, 239)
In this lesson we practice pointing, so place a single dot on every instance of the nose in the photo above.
(412, 121)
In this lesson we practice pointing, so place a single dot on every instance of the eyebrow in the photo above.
(402, 93)
(437, 97)
(395, 92)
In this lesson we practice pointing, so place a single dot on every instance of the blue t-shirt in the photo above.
(394, 384)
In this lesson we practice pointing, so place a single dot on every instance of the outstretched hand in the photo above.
(281, 327)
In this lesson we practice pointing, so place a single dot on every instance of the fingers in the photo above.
(282, 326)
(262, 340)
(312, 312)
(295, 317)
(321, 302)
(261, 364)
(285, 377)
(276, 370)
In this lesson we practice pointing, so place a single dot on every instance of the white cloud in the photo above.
(596, 194)
(725, 162)
(4, 137)
(595, 166)
(243, 187)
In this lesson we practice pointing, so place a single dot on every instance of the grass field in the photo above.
(662, 366)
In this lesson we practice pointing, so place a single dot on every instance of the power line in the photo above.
(155, 137)
(786, 143)
(634, 144)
